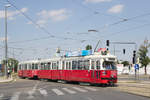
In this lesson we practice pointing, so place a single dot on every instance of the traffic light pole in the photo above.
(134, 54)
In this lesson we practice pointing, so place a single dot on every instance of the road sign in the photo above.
(136, 66)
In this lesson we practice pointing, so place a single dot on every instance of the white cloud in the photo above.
(54, 15)
(11, 14)
(41, 23)
(116, 9)
(96, 1)
(24, 10)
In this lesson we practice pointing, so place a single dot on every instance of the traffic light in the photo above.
(107, 43)
(124, 51)
(134, 57)
(134, 53)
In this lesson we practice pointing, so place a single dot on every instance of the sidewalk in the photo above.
(141, 88)
(4, 79)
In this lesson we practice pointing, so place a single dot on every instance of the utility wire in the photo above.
(51, 36)
(30, 19)
(33, 22)
(128, 19)
(126, 30)
(94, 11)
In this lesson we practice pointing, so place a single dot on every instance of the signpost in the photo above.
(136, 67)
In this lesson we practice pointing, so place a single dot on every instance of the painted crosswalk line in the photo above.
(43, 92)
(1, 96)
(69, 91)
(58, 92)
(79, 89)
(90, 88)
(15, 96)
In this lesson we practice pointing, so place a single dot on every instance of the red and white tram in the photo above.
(95, 69)
(28, 69)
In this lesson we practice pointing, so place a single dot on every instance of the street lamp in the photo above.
(6, 48)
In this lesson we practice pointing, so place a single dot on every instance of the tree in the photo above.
(144, 59)
(12, 64)
(88, 47)
(125, 63)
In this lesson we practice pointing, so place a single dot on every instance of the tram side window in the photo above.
(32, 66)
(53, 65)
(19, 67)
(74, 65)
(79, 64)
(42, 66)
(92, 65)
(45, 66)
(63, 65)
(49, 65)
(67, 65)
(22, 66)
(57, 65)
(97, 64)
(86, 64)
(25, 66)
(36, 66)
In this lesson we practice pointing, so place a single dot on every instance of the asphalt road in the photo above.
(25, 89)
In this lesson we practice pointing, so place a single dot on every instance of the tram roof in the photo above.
(95, 55)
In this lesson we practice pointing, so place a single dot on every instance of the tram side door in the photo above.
(93, 71)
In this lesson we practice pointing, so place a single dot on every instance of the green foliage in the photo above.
(11, 63)
(125, 63)
(143, 50)
(88, 47)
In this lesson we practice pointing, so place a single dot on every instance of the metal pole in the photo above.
(136, 53)
(96, 45)
(13, 62)
(6, 47)
(6, 58)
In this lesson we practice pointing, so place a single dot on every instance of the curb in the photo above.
(9, 80)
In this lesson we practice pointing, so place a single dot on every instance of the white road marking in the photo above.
(88, 98)
(69, 91)
(58, 92)
(1, 96)
(79, 89)
(15, 96)
(43, 92)
(91, 89)
(32, 91)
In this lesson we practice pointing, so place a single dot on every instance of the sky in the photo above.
(37, 27)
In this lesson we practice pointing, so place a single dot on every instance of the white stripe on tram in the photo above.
(91, 89)
(69, 91)
(79, 89)
(16, 96)
(58, 92)
(43, 92)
